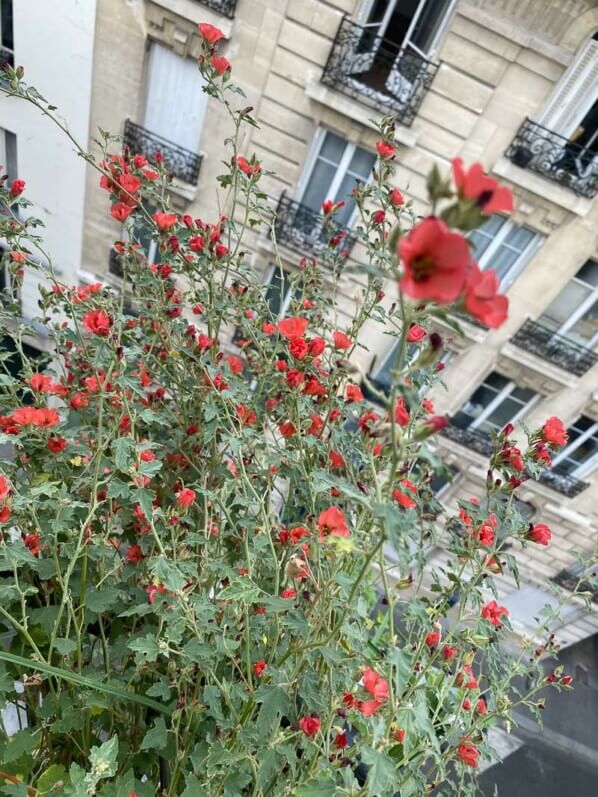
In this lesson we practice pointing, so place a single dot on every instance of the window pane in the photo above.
(589, 273)
(502, 414)
(428, 23)
(276, 291)
(333, 147)
(584, 330)
(361, 163)
(503, 261)
(482, 238)
(568, 300)
(319, 185)
(497, 380)
(519, 237)
(522, 394)
(344, 192)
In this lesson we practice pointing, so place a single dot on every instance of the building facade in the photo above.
(513, 85)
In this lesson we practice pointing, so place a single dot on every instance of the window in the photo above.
(381, 373)
(332, 171)
(504, 246)
(404, 23)
(496, 402)
(279, 293)
(8, 153)
(6, 34)
(175, 102)
(574, 312)
(580, 455)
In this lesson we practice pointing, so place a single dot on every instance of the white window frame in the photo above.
(523, 259)
(497, 401)
(341, 169)
(580, 311)
(366, 7)
(586, 467)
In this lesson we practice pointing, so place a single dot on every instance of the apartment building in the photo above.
(56, 52)
(513, 85)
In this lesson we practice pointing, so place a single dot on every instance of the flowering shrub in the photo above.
(195, 577)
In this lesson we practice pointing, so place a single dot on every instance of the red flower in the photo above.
(294, 378)
(210, 33)
(259, 668)
(401, 412)
(402, 498)
(120, 211)
(299, 348)
(244, 166)
(493, 612)
(385, 150)
(220, 64)
(396, 198)
(33, 542)
(375, 684)
(57, 444)
(449, 652)
(292, 328)
(432, 639)
(554, 432)
(435, 260)
(5, 487)
(400, 735)
(165, 221)
(40, 383)
(369, 707)
(341, 341)
(415, 334)
(367, 420)
(468, 753)
(17, 187)
(466, 678)
(185, 497)
(341, 740)
(378, 216)
(486, 535)
(540, 533)
(134, 554)
(336, 459)
(310, 725)
(482, 190)
(353, 393)
(98, 322)
(482, 298)
(289, 593)
(287, 429)
(332, 522)
(316, 346)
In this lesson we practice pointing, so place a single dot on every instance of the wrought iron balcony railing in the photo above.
(554, 156)
(7, 57)
(557, 349)
(303, 229)
(377, 72)
(181, 162)
(225, 7)
(572, 580)
(565, 485)
(475, 439)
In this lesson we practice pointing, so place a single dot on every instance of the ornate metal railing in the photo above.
(565, 485)
(225, 7)
(570, 580)
(181, 162)
(303, 229)
(7, 57)
(475, 439)
(554, 156)
(378, 72)
(557, 349)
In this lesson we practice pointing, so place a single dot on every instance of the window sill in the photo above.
(543, 187)
(196, 13)
(354, 110)
(552, 377)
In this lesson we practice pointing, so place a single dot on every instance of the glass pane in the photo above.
(344, 192)
(502, 414)
(502, 261)
(568, 300)
(589, 273)
(496, 380)
(332, 148)
(319, 185)
(585, 329)
(522, 394)
(361, 163)
(383, 373)
(276, 290)
(482, 238)
(519, 237)
(428, 23)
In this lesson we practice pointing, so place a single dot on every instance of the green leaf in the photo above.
(101, 600)
(65, 646)
(124, 452)
(322, 481)
(193, 787)
(382, 773)
(146, 649)
(324, 786)
(157, 737)
(236, 781)
(21, 743)
(275, 703)
(103, 759)
(54, 774)
(168, 574)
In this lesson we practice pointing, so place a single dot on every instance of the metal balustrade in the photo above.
(556, 349)
(537, 148)
(303, 229)
(181, 162)
(378, 72)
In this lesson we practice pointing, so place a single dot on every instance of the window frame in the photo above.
(523, 259)
(585, 468)
(501, 395)
(288, 295)
(580, 311)
(340, 173)
(365, 9)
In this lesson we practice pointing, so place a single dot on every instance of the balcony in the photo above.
(555, 157)
(565, 485)
(556, 349)
(377, 72)
(225, 7)
(180, 162)
(474, 439)
(301, 228)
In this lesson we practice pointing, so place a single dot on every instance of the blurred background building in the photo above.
(511, 84)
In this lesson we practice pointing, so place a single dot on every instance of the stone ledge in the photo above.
(542, 187)
(354, 110)
(558, 377)
(196, 13)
